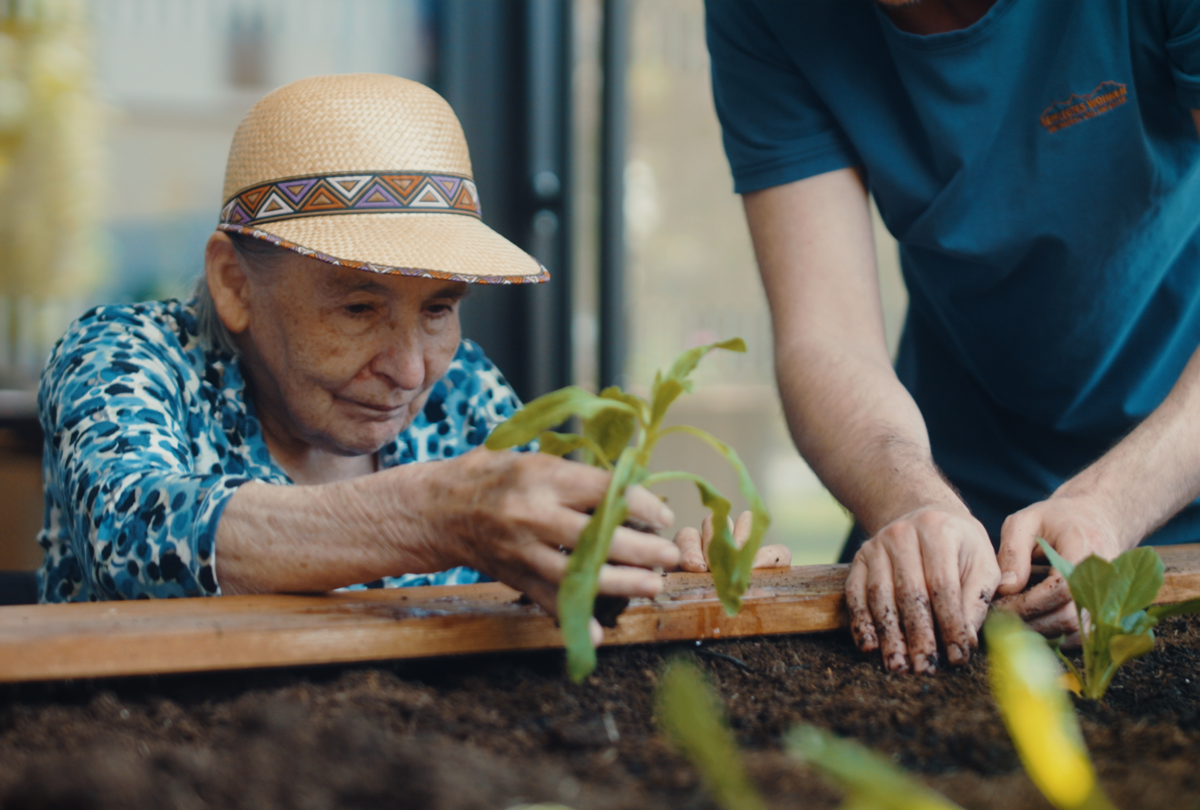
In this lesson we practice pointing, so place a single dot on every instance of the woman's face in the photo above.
(343, 359)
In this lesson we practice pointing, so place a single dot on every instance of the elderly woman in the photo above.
(277, 432)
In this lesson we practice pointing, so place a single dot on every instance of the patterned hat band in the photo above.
(320, 195)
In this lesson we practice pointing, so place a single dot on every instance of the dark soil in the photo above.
(490, 732)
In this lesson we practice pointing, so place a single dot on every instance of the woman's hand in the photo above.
(511, 514)
(693, 546)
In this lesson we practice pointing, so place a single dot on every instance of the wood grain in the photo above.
(50, 642)
(43, 642)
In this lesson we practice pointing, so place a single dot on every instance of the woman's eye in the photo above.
(438, 310)
(358, 309)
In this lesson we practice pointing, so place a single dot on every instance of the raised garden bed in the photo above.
(491, 731)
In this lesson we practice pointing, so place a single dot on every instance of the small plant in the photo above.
(869, 781)
(1039, 717)
(1120, 617)
(611, 420)
(690, 713)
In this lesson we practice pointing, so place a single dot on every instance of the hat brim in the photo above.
(453, 247)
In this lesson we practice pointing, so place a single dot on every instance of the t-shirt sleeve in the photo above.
(1183, 49)
(774, 126)
(139, 518)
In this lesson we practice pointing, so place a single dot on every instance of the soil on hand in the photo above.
(491, 732)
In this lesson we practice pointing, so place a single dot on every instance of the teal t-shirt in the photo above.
(1041, 172)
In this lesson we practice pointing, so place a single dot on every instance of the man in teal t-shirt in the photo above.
(1040, 166)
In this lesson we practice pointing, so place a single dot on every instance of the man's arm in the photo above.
(1111, 506)
(860, 430)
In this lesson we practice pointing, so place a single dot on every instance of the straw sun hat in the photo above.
(369, 171)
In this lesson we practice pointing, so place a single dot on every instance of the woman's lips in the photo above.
(385, 411)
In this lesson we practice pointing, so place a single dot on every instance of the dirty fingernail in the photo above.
(1008, 578)
(954, 654)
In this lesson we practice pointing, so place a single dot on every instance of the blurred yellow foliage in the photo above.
(50, 152)
(1026, 682)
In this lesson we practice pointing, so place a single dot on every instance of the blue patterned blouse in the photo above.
(149, 433)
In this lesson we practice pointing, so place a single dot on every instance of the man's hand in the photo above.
(1074, 526)
(512, 513)
(693, 546)
(929, 565)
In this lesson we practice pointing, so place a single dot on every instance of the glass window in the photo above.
(173, 78)
(692, 279)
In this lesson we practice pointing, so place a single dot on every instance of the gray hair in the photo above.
(255, 255)
(212, 331)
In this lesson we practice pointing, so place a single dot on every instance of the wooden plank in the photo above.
(50, 642)
(47, 642)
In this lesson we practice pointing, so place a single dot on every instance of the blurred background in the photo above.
(594, 143)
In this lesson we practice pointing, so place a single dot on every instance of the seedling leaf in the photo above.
(690, 714)
(1091, 583)
(610, 430)
(559, 444)
(1125, 647)
(667, 389)
(731, 567)
(1119, 622)
(611, 421)
(665, 393)
(577, 592)
(686, 362)
(1159, 612)
(1061, 565)
(870, 781)
(1025, 683)
(1139, 577)
(632, 400)
(550, 411)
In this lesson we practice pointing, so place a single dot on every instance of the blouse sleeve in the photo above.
(131, 515)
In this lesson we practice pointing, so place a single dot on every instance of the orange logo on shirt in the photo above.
(1062, 114)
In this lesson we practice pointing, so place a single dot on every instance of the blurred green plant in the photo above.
(691, 715)
(1120, 616)
(870, 781)
(610, 421)
(1027, 686)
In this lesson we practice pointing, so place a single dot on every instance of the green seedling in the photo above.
(690, 713)
(869, 780)
(1026, 684)
(611, 420)
(1117, 614)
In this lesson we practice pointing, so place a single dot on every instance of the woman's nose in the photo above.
(401, 359)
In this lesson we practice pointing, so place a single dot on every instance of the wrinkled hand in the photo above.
(1076, 529)
(693, 546)
(927, 565)
(512, 513)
